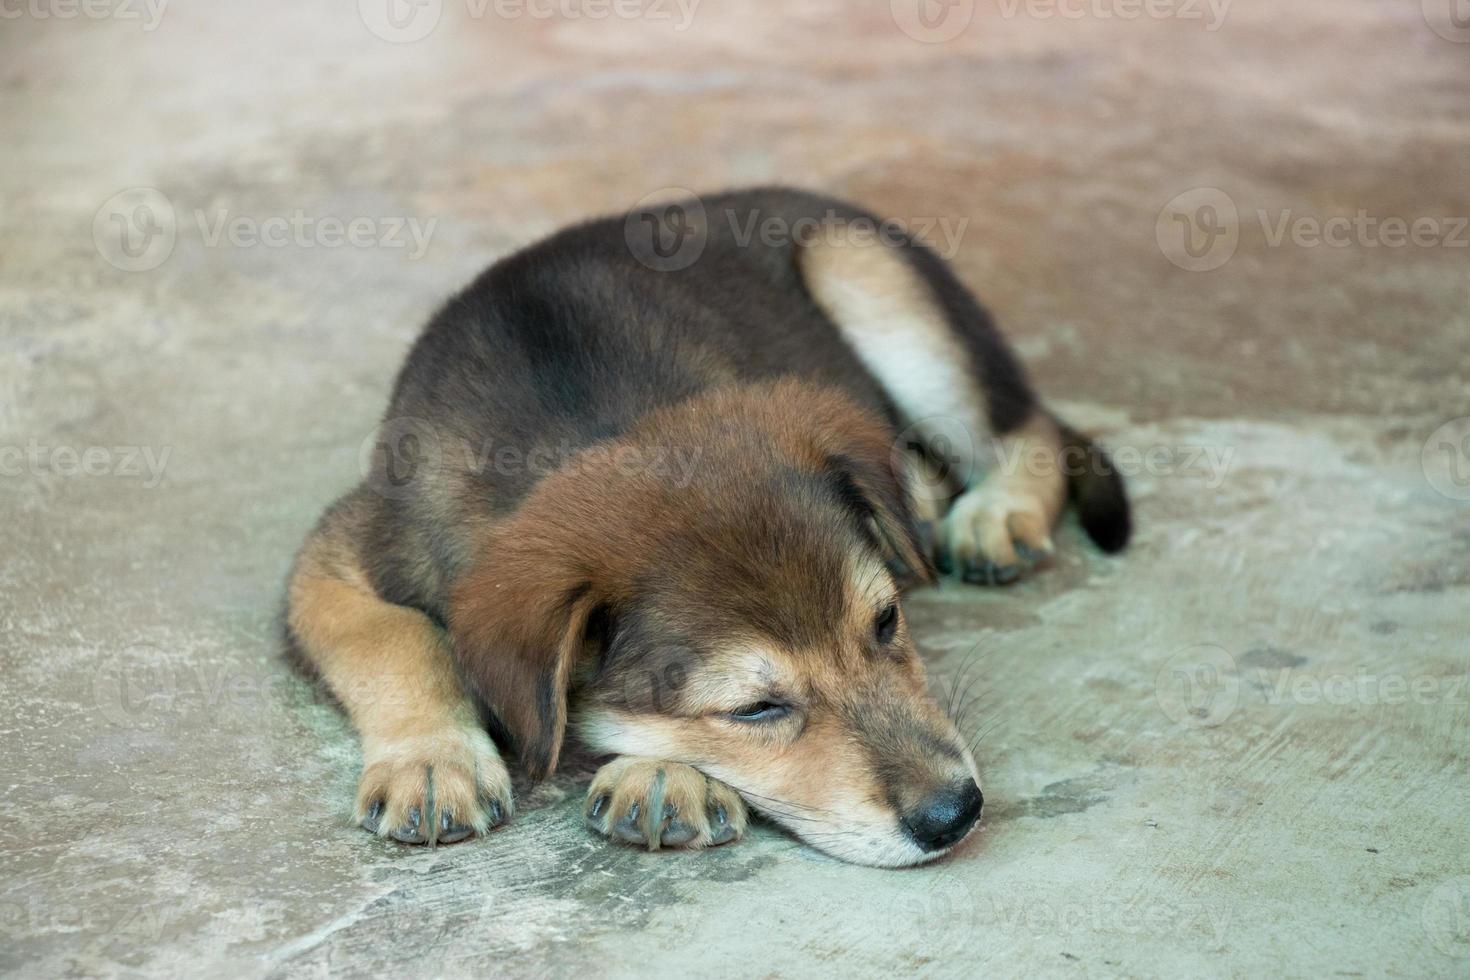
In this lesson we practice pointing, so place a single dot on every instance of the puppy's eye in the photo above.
(886, 624)
(760, 711)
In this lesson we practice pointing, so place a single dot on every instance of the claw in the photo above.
(375, 812)
(410, 834)
(720, 828)
(989, 573)
(627, 828)
(451, 832)
(679, 833)
(494, 810)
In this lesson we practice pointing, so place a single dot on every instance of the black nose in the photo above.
(945, 817)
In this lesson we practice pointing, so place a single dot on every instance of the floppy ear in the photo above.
(868, 486)
(854, 449)
(518, 620)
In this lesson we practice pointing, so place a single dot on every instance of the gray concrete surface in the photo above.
(1241, 749)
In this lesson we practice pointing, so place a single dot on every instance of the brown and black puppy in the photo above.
(666, 503)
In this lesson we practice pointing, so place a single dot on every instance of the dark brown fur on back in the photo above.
(574, 341)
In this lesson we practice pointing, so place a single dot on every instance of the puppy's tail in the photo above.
(1096, 490)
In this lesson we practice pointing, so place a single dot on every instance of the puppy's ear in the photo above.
(874, 493)
(518, 621)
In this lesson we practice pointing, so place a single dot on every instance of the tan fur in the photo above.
(391, 668)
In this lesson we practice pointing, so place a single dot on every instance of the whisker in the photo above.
(966, 665)
(790, 816)
(964, 698)
(975, 742)
(955, 686)
(962, 716)
(770, 799)
(775, 807)
(828, 836)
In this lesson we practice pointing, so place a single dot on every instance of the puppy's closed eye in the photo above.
(758, 711)
(886, 624)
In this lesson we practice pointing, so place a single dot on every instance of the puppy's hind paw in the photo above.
(992, 538)
(656, 804)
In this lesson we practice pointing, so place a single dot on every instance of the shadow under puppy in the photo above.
(667, 503)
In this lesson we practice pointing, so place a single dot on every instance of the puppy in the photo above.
(665, 500)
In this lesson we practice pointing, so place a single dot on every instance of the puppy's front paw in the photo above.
(993, 535)
(663, 804)
(436, 788)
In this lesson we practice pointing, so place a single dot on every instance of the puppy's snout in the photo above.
(945, 817)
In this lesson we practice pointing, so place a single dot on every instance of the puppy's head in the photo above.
(744, 619)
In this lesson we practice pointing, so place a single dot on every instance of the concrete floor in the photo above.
(1240, 749)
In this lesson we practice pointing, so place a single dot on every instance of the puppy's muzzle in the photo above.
(943, 819)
